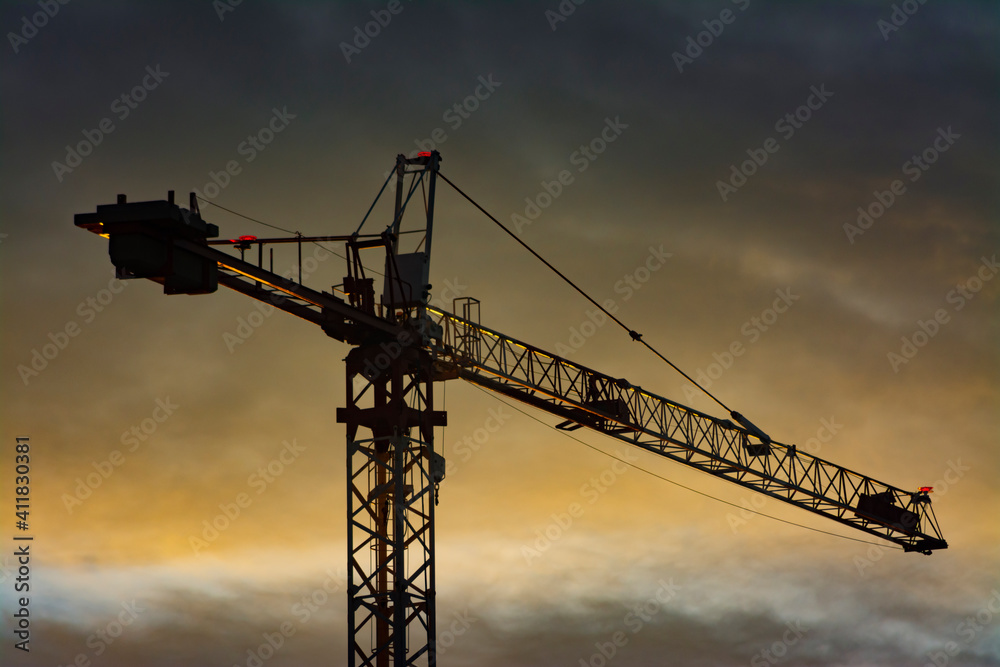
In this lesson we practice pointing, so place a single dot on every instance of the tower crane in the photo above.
(401, 346)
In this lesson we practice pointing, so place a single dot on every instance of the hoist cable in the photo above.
(631, 332)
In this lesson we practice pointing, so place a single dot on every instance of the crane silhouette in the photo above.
(401, 346)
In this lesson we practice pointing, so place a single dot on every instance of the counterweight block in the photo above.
(144, 242)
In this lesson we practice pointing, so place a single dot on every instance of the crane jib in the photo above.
(165, 243)
(586, 398)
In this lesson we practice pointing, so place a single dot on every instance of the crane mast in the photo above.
(401, 347)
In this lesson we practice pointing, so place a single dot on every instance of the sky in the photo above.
(814, 183)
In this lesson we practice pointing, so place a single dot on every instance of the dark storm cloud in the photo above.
(759, 66)
(889, 97)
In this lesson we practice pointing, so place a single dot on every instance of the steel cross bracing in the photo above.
(391, 493)
(616, 408)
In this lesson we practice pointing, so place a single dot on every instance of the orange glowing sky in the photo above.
(193, 417)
